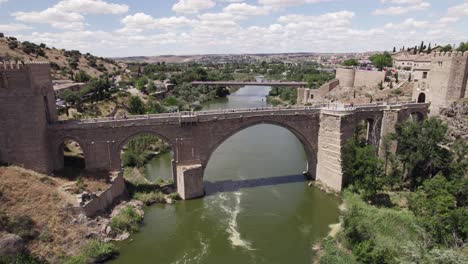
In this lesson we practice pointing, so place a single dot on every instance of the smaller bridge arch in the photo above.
(59, 155)
(120, 145)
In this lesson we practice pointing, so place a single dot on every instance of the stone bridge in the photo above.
(252, 83)
(194, 136)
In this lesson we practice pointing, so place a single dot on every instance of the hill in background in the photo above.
(64, 63)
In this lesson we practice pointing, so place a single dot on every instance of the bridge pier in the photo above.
(190, 181)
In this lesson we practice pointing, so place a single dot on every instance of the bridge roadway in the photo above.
(249, 83)
(194, 136)
(200, 116)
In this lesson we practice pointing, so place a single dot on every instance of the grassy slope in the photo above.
(35, 195)
(53, 55)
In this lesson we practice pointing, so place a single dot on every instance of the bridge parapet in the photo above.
(204, 116)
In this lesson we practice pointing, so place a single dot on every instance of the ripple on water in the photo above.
(233, 228)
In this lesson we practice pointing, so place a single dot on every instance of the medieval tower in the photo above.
(27, 107)
(444, 81)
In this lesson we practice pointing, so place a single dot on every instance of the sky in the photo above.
(118, 28)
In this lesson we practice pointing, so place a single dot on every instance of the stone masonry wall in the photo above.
(27, 106)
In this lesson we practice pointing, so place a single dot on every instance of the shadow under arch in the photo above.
(215, 186)
(64, 162)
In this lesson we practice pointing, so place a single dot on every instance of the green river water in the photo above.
(258, 207)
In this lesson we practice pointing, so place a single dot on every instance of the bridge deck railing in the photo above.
(184, 114)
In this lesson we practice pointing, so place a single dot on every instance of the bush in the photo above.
(334, 255)
(127, 220)
(94, 252)
(149, 198)
(23, 258)
(382, 235)
(22, 226)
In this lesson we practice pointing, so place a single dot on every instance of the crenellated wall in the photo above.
(27, 106)
(446, 80)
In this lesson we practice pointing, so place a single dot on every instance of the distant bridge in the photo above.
(252, 83)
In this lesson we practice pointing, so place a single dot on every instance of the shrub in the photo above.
(127, 220)
(332, 254)
(23, 258)
(22, 226)
(150, 197)
(381, 235)
(94, 252)
(174, 196)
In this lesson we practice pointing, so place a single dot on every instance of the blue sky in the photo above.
(135, 28)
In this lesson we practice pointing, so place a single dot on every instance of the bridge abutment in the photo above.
(330, 141)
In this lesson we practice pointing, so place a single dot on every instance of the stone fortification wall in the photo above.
(368, 78)
(305, 95)
(359, 78)
(116, 192)
(27, 106)
(346, 76)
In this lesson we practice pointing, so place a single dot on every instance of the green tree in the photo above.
(363, 171)
(463, 47)
(136, 106)
(436, 207)
(381, 60)
(82, 76)
(446, 48)
(420, 149)
(351, 62)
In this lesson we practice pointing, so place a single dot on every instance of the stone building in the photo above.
(345, 78)
(439, 78)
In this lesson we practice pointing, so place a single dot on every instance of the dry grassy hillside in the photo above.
(64, 63)
(54, 230)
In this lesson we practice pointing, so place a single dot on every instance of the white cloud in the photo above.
(3, 1)
(91, 7)
(13, 27)
(459, 10)
(140, 21)
(67, 14)
(243, 9)
(53, 16)
(409, 23)
(192, 6)
(283, 3)
(399, 10)
(412, 2)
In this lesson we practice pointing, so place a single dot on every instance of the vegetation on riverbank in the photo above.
(410, 207)
(94, 252)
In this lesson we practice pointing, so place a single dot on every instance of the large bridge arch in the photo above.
(309, 148)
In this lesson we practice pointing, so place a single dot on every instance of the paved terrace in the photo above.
(201, 116)
(248, 83)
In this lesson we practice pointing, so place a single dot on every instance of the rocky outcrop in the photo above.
(10, 245)
(456, 117)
